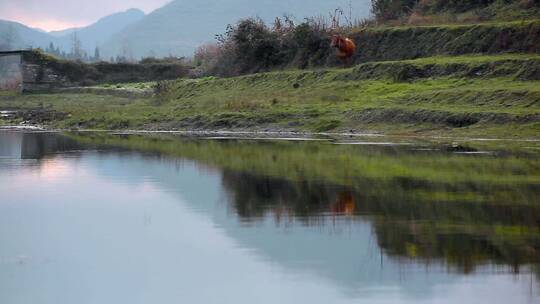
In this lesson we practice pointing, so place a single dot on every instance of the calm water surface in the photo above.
(100, 218)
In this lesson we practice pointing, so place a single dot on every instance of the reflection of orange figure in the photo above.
(344, 204)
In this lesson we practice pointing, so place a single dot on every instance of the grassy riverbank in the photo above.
(496, 96)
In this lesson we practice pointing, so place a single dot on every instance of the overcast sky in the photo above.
(61, 14)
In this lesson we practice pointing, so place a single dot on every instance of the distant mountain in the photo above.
(63, 32)
(38, 29)
(14, 35)
(180, 26)
(101, 31)
(21, 36)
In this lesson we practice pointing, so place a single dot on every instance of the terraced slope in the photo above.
(401, 43)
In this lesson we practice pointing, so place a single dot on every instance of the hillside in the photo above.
(97, 33)
(252, 47)
(180, 26)
(414, 12)
(474, 95)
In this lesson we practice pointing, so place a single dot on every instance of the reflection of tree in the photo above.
(253, 196)
(461, 234)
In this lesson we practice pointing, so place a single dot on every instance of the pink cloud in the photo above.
(50, 24)
(61, 14)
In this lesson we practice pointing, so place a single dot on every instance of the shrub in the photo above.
(162, 87)
(454, 6)
(384, 10)
(206, 56)
(311, 45)
(252, 46)
(257, 44)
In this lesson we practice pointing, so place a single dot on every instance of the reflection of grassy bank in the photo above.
(462, 245)
(467, 95)
(465, 209)
(343, 164)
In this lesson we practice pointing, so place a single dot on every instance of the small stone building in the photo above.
(11, 71)
(34, 71)
(18, 72)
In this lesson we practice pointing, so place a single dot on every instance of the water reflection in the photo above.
(34, 145)
(340, 223)
(462, 234)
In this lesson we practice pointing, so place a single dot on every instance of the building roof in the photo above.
(14, 52)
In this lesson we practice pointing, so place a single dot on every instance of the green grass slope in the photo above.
(496, 95)
(409, 42)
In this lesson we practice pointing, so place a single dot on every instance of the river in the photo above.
(164, 218)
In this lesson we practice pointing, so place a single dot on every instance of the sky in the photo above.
(52, 15)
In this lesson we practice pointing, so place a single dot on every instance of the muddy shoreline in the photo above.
(43, 118)
(269, 135)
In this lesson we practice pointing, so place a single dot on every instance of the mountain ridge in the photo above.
(12, 33)
(93, 35)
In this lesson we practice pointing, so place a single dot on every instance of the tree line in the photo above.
(10, 40)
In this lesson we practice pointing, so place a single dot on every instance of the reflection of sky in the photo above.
(120, 228)
(347, 254)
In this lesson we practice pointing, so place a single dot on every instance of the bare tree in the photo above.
(126, 51)
(97, 56)
(77, 52)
